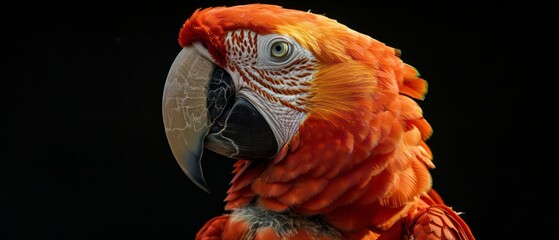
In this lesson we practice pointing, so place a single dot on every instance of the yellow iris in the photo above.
(279, 49)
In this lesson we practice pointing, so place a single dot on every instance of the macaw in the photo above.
(322, 121)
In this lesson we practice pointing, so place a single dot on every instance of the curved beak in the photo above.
(201, 109)
(185, 115)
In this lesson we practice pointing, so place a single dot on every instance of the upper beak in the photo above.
(201, 109)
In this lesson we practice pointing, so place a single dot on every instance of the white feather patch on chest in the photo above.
(283, 224)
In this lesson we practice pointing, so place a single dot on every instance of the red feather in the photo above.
(359, 160)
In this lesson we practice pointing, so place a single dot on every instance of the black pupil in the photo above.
(278, 48)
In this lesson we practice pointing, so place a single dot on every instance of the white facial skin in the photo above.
(273, 72)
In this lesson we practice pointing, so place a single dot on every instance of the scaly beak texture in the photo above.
(185, 112)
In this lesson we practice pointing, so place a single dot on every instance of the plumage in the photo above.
(354, 163)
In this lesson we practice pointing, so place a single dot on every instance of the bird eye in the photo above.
(279, 49)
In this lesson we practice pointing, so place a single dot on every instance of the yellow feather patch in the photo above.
(341, 89)
(316, 35)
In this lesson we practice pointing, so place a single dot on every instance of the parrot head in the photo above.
(319, 116)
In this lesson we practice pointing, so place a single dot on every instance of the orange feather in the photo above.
(359, 159)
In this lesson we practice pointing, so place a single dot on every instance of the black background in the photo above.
(85, 154)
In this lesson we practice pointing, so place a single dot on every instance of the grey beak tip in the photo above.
(195, 172)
